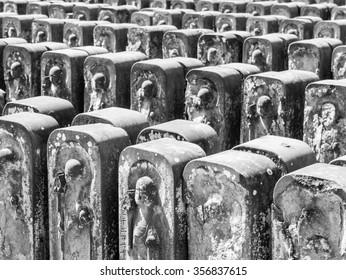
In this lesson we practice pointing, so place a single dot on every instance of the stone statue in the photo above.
(148, 104)
(54, 84)
(12, 32)
(103, 41)
(262, 118)
(72, 40)
(258, 58)
(40, 37)
(99, 87)
(225, 27)
(17, 80)
(144, 220)
(326, 143)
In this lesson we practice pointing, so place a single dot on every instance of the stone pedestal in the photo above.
(228, 197)
(153, 171)
(83, 191)
(273, 103)
(60, 109)
(23, 191)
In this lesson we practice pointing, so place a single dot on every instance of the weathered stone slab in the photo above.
(313, 55)
(157, 90)
(37, 8)
(341, 161)
(148, 39)
(21, 64)
(182, 43)
(273, 104)
(170, 17)
(228, 197)
(23, 181)
(188, 63)
(182, 4)
(331, 29)
(60, 10)
(182, 130)
(79, 33)
(112, 37)
(231, 21)
(268, 52)
(62, 74)
(140, 4)
(3, 43)
(260, 8)
(325, 119)
(107, 79)
(219, 48)
(47, 30)
(119, 14)
(19, 26)
(213, 96)
(154, 170)
(261, 25)
(339, 63)
(142, 18)
(83, 191)
(287, 153)
(290, 10)
(131, 121)
(207, 5)
(60, 109)
(15, 6)
(338, 12)
(233, 6)
(308, 217)
(195, 20)
(303, 27)
(322, 10)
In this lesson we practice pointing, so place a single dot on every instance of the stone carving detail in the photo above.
(257, 56)
(55, 81)
(201, 104)
(265, 108)
(192, 23)
(98, 87)
(105, 38)
(17, 77)
(148, 97)
(339, 65)
(71, 38)
(173, 46)
(137, 41)
(304, 59)
(325, 122)
(146, 222)
(211, 51)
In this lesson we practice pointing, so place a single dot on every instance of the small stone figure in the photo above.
(17, 80)
(11, 32)
(148, 105)
(135, 41)
(145, 221)
(72, 41)
(326, 144)
(103, 41)
(225, 27)
(262, 118)
(98, 86)
(54, 83)
(258, 58)
(213, 57)
(40, 37)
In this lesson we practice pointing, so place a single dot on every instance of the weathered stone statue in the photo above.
(99, 87)
(17, 80)
(54, 84)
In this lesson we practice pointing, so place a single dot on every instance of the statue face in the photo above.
(145, 191)
(147, 89)
(55, 76)
(264, 106)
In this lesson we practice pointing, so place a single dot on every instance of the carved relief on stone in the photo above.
(11, 28)
(257, 55)
(147, 225)
(104, 37)
(339, 64)
(137, 40)
(17, 77)
(192, 23)
(55, 81)
(325, 30)
(72, 37)
(161, 19)
(304, 59)
(223, 23)
(148, 97)
(211, 50)
(158, 4)
(265, 109)
(57, 12)
(173, 46)
(202, 104)
(39, 33)
(325, 121)
(292, 28)
(98, 86)
(255, 27)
